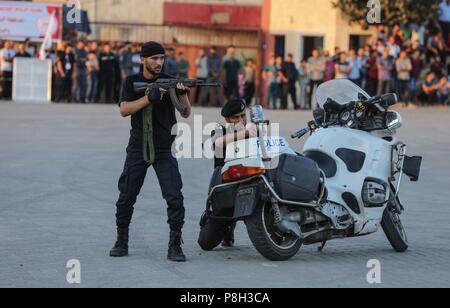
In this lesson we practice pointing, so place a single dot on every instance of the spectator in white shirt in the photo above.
(6, 67)
(202, 74)
(343, 67)
(394, 49)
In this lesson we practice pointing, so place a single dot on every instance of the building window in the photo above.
(310, 43)
(358, 41)
(280, 46)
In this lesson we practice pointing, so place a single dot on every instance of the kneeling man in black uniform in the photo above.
(213, 232)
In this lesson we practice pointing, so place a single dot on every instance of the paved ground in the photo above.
(59, 166)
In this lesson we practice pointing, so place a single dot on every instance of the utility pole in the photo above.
(96, 20)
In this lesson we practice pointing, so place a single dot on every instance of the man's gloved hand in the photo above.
(155, 95)
(182, 89)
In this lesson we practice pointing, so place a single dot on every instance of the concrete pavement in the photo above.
(59, 166)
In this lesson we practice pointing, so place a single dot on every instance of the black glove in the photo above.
(182, 92)
(154, 95)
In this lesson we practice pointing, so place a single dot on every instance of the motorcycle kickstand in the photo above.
(320, 249)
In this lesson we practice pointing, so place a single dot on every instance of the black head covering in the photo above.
(150, 49)
(233, 107)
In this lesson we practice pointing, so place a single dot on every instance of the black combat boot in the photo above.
(228, 239)
(175, 252)
(120, 249)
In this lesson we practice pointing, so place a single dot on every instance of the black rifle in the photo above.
(171, 86)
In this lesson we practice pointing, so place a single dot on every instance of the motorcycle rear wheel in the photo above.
(268, 240)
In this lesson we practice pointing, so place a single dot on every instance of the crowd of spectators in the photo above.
(86, 71)
(412, 62)
(92, 72)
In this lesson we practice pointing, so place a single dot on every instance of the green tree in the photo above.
(403, 12)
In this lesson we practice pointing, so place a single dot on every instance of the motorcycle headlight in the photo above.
(375, 193)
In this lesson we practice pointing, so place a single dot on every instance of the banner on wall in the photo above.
(22, 20)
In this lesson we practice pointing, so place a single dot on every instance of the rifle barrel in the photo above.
(215, 84)
(142, 86)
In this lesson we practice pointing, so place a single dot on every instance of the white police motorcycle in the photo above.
(345, 184)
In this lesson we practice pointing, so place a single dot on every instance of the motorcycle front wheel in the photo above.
(393, 228)
(268, 240)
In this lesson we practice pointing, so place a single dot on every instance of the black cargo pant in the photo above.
(7, 84)
(132, 179)
(286, 90)
(106, 88)
(231, 89)
(212, 231)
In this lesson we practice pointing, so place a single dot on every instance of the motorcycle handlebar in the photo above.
(299, 134)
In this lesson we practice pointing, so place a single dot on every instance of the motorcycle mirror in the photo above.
(362, 97)
(389, 99)
(319, 116)
(332, 106)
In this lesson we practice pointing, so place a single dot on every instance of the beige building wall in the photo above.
(297, 18)
(124, 11)
(141, 11)
(119, 11)
(51, 1)
(226, 2)
(344, 30)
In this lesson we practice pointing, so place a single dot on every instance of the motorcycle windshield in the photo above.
(342, 91)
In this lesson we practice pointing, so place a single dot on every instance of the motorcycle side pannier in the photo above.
(222, 198)
(297, 178)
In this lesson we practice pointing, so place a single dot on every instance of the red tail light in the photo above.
(240, 172)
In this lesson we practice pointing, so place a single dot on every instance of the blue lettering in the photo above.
(273, 143)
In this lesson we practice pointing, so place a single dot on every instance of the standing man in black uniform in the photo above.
(289, 77)
(107, 63)
(213, 232)
(162, 119)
